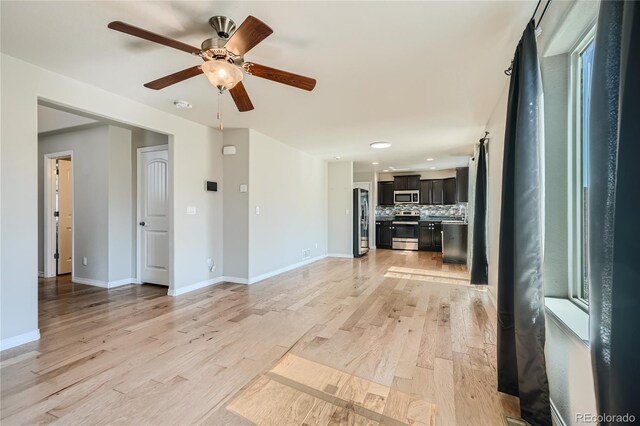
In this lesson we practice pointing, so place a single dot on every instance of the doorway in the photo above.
(59, 214)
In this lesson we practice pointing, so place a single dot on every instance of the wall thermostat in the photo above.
(228, 150)
(211, 186)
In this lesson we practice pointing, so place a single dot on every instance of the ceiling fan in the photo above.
(223, 57)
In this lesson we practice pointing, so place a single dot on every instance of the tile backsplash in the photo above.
(457, 211)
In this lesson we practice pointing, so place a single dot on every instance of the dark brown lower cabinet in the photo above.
(383, 234)
(430, 236)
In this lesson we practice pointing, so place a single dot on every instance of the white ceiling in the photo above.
(423, 75)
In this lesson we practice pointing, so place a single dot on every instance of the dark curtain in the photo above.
(521, 324)
(614, 211)
(479, 242)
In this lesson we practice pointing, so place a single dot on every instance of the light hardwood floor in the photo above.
(393, 338)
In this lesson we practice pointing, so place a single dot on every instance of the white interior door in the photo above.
(153, 216)
(65, 217)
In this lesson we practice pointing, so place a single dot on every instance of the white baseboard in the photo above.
(118, 283)
(556, 418)
(235, 280)
(346, 256)
(103, 284)
(21, 339)
(194, 287)
(263, 277)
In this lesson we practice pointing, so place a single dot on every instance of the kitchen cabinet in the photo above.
(384, 230)
(404, 183)
(385, 193)
(430, 236)
(449, 191)
(462, 184)
(431, 191)
(425, 191)
(437, 186)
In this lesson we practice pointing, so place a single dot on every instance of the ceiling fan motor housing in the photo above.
(213, 49)
(222, 25)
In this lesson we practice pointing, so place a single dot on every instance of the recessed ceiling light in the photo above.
(380, 145)
(375, 163)
(432, 168)
(385, 170)
(182, 104)
(429, 159)
(337, 157)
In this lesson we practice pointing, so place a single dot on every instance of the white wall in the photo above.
(194, 152)
(495, 150)
(340, 208)
(236, 205)
(120, 229)
(425, 174)
(290, 188)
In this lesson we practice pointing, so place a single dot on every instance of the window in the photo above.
(582, 67)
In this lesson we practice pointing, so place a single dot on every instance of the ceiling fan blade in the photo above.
(251, 32)
(279, 76)
(174, 78)
(241, 97)
(148, 35)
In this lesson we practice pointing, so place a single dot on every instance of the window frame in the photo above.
(575, 169)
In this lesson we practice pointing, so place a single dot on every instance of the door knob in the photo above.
(143, 223)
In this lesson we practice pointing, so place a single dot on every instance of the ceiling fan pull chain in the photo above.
(219, 115)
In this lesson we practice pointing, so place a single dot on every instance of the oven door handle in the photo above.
(404, 223)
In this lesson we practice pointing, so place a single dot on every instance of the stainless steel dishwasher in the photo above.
(454, 242)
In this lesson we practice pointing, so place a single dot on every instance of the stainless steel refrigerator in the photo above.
(360, 222)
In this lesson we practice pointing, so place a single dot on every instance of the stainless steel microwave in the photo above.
(406, 197)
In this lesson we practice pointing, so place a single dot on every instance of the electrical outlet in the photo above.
(306, 253)
(316, 245)
(84, 261)
(257, 209)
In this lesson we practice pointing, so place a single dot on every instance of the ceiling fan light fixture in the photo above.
(222, 74)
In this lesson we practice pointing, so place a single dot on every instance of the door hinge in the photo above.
(56, 214)
(56, 256)
(57, 170)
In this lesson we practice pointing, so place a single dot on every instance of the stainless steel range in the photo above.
(405, 230)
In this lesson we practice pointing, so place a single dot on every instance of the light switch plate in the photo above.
(243, 188)
(191, 210)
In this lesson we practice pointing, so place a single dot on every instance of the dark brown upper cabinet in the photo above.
(449, 191)
(425, 192)
(385, 193)
(404, 183)
(431, 191)
(437, 189)
(462, 184)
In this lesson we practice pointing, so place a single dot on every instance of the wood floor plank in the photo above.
(395, 337)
